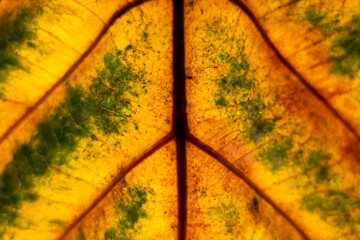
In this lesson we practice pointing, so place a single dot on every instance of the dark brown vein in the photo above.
(180, 123)
(288, 4)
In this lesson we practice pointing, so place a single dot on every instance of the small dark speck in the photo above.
(255, 204)
(189, 77)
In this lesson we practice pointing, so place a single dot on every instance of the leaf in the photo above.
(179, 120)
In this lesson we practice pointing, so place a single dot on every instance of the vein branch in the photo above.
(115, 181)
(250, 183)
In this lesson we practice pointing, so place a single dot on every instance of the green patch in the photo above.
(238, 88)
(335, 207)
(228, 214)
(56, 137)
(104, 106)
(317, 157)
(322, 174)
(345, 46)
(57, 222)
(326, 23)
(239, 78)
(335, 182)
(128, 47)
(145, 36)
(17, 29)
(130, 207)
(257, 127)
(278, 154)
(345, 51)
(81, 236)
(314, 17)
(221, 101)
(214, 27)
(109, 97)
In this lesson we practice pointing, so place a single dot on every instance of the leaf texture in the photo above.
(195, 119)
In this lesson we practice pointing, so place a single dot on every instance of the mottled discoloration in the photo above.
(238, 87)
(96, 118)
(130, 210)
(222, 206)
(17, 29)
(103, 107)
(263, 117)
(340, 208)
(345, 44)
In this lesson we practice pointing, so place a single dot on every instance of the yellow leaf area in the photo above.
(244, 104)
(40, 40)
(320, 39)
(143, 205)
(115, 106)
(222, 206)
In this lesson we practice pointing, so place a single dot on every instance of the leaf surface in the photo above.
(196, 119)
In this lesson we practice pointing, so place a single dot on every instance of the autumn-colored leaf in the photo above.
(196, 119)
